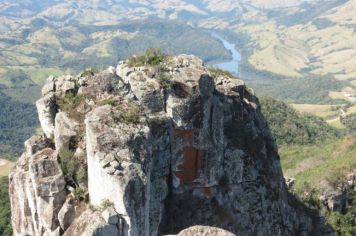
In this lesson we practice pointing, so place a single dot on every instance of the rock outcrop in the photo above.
(204, 231)
(37, 190)
(163, 148)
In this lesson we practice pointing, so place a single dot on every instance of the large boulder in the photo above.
(204, 231)
(90, 223)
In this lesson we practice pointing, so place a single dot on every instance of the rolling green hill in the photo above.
(317, 156)
(30, 55)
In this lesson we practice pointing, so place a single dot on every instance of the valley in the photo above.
(5, 166)
(233, 65)
(298, 57)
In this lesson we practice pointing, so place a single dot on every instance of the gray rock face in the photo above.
(36, 190)
(91, 224)
(334, 197)
(204, 231)
(65, 130)
(110, 216)
(67, 214)
(46, 112)
(169, 147)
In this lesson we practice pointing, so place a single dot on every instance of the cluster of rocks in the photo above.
(110, 163)
(195, 152)
(335, 197)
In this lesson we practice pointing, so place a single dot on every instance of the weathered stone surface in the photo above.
(36, 143)
(67, 214)
(194, 150)
(145, 88)
(48, 87)
(104, 135)
(37, 190)
(46, 108)
(289, 182)
(205, 231)
(99, 85)
(334, 198)
(63, 85)
(110, 216)
(65, 130)
(91, 224)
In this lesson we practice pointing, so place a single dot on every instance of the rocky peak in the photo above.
(154, 149)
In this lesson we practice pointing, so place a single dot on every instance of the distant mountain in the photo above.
(41, 47)
(278, 37)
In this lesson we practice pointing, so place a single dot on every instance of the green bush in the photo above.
(290, 127)
(350, 122)
(128, 113)
(72, 168)
(343, 224)
(71, 101)
(152, 57)
(164, 80)
(216, 72)
(80, 194)
(105, 204)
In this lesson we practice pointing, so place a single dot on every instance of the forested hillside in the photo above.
(291, 127)
(316, 156)
(5, 214)
(18, 121)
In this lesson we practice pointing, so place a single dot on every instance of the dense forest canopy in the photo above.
(18, 121)
(5, 213)
(290, 127)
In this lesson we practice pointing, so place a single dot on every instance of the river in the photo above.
(232, 65)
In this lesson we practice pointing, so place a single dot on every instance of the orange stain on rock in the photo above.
(188, 171)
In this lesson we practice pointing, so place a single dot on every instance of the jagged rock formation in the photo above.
(165, 148)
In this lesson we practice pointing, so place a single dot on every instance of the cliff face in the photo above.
(159, 149)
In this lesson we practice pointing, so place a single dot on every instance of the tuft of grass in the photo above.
(70, 102)
(152, 57)
(128, 113)
(73, 170)
(80, 194)
(216, 72)
(164, 80)
(105, 204)
(112, 102)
